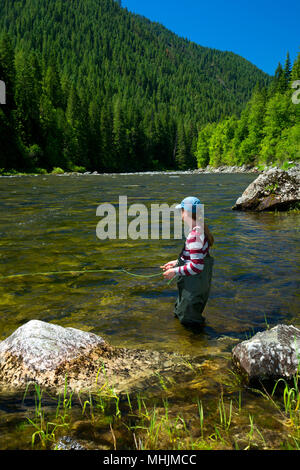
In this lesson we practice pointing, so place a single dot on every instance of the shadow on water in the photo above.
(250, 278)
(199, 333)
(154, 294)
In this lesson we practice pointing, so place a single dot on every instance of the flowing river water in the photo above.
(48, 223)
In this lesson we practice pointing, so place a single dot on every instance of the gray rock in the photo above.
(68, 443)
(270, 354)
(49, 355)
(272, 189)
(43, 353)
(45, 346)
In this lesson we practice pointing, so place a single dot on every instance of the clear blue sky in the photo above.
(261, 31)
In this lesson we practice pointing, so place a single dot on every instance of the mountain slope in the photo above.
(129, 70)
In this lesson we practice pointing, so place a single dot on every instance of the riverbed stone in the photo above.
(228, 169)
(51, 356)
(68, 443)
(269, 355)
(273, 189)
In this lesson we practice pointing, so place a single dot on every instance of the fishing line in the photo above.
(52, 273)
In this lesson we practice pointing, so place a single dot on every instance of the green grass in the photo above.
(45, 431)
(164, 421)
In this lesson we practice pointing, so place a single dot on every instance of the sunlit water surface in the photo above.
(48, 223)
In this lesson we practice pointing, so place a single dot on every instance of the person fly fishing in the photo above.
(193, 267)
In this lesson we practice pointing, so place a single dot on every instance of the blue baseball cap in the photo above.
(189, 203)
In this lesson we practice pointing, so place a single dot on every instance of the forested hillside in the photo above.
(268, 131)
(90, 84)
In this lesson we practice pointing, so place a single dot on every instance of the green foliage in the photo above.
(91, 84)
(202, 151)
(220, 142)
(267, 132)
(57, 171)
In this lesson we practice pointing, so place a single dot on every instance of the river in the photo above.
(48, 223)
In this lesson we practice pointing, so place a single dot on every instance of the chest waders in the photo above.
(193, 293)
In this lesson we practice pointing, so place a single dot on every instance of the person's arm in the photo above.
(197, 247)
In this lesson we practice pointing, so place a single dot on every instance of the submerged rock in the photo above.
(68, 443)
(49, 355)
(272, 189)
(270, 354)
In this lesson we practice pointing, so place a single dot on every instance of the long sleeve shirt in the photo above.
(193, 254)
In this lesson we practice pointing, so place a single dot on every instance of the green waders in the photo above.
(193, 292)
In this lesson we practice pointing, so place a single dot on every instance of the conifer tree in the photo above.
(295, 73)
(181, 148)
(7, 70)
(119, 134)
(104, 89)
(287, 68)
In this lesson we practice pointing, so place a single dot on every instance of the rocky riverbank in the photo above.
(246, 168)
(207, 170)
(45, 354)
(230, 169)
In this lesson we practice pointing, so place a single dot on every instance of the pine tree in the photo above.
(181, 148)
(27, 97)
(119, 134)
(295, 73)
(12, 152)
(105, 89)
(287, 68)
(94, 140)
(279, 83)
(7, 70)
(106, 137)
(52, 85)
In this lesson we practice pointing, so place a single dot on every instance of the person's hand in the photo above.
(169, 265)
(169, 274)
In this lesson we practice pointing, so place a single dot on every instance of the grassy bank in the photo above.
(171, 418)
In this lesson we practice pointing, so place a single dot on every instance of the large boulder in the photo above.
(271, 354)
(49, 355)
(43, 353)
(272, 189)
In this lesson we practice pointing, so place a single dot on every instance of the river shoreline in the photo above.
(207, 170)
(49, 223)
(229, 169)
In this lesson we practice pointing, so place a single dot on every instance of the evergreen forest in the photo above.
(91, 86)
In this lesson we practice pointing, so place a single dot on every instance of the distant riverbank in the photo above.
(206, 170)
(60, 172)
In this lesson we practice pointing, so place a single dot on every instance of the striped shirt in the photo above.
(193, 254)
